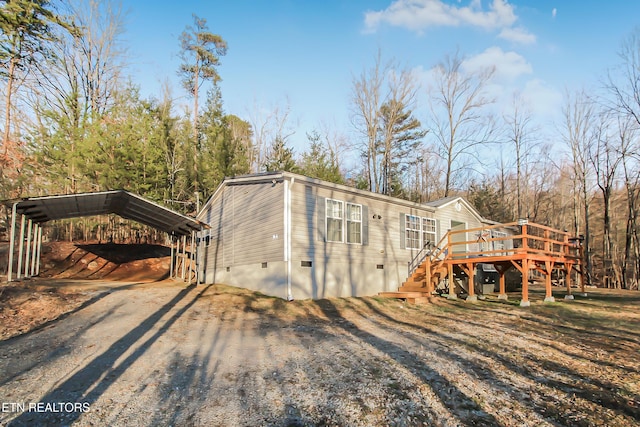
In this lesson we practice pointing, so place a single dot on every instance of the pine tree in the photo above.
(26, 26)
(201, 51)
(320, 161)
(280, 157)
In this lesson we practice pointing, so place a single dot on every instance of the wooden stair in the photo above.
(420, 286)
(411, 297)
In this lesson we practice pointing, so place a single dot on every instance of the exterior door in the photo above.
(458, 237)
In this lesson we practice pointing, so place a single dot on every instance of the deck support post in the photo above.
(525, 284)
(502, 295)
(502, 270)
(471, 297)
(548, 297)
(427, 275)
(452, 283)
(567, 281)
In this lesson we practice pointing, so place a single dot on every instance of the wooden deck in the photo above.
(532, 247)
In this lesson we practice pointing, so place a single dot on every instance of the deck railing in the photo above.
(434, 251)
(531, 239)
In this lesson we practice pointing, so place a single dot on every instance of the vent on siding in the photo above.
(306, 264)
(380, 266)
(264, 265)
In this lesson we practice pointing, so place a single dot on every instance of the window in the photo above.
(354, 223)
(429, 231)
(412, 232)
(498, 245)
(334, 220)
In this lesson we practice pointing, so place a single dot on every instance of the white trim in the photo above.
(418, 230)
(347, 220)
(433, 221)
(287, 234)
(327, 218)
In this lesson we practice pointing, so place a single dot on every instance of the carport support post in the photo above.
(34, 248)
(21, 249)
(184, 257)
(39, 250)
(191, 252)
(171, 258)
(27, 258)
(12, 241)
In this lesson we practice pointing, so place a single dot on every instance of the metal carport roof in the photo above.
(120, 202)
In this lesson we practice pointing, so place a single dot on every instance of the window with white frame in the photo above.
(499, 244)
(428, 231)
(412, 232)
(334, 213)
(354, 223)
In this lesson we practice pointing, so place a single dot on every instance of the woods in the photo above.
(74, 121)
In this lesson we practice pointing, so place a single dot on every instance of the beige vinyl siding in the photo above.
(340, 269)
(448, 213)
(246, 225)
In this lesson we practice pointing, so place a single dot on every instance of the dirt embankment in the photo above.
(27, 304)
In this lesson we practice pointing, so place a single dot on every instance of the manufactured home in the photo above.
(295, 237)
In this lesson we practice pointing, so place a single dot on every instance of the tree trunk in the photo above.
(587, 236)
(7, 116)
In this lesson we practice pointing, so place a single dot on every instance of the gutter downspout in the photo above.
(287, 233)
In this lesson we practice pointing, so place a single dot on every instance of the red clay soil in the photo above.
(28, 304)
(106, 261)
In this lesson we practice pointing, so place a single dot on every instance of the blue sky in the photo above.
(304, 54)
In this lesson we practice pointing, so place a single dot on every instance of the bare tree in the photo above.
(382, 102)
(624, 82)
(520, 131)
(366, 100)
(605, 159)
(579, 118)
(631, 170)
(268, 125)
(459, 122)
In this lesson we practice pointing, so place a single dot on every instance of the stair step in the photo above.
(409, 297)
(409, 294)
(419, 300)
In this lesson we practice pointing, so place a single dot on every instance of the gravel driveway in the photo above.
(170, 354)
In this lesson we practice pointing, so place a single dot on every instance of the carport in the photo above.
(35, 211)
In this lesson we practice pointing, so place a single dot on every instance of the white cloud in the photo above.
(508, 65)
(419, 15)
(422, 14)
(518, 35)
(554, 12)
(545, 101)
